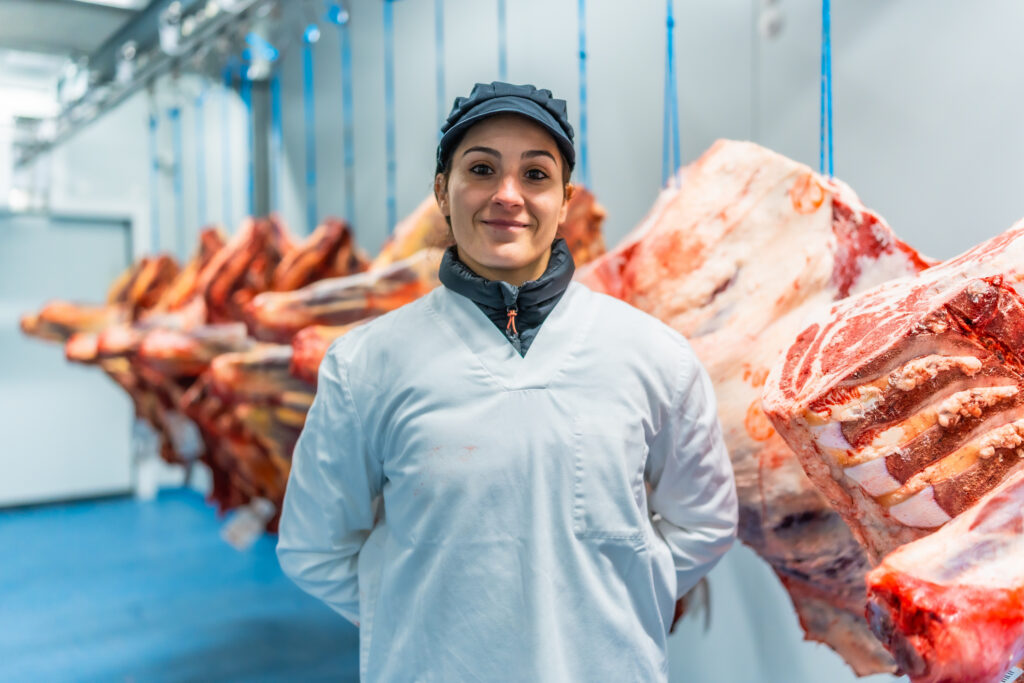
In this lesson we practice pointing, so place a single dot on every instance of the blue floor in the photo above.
(120, 590)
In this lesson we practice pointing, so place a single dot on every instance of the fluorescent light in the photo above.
(30, 103)
(17, 199)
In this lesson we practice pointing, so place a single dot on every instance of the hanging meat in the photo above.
(278, 316)
(424, 228)
(137, 289)
(735, 255)
(60, 320)
(581, 228)
(330, 251)
(260, 375)
(950, 606)
(144, 283)
(243, 268)
(310, 346)
(182, 288)
(904, 403)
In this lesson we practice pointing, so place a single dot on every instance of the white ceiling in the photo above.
(36, 39)
(64, 27)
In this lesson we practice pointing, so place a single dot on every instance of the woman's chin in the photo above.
(507, 259)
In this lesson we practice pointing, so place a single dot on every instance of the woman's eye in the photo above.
(480, 169)
(536, 174)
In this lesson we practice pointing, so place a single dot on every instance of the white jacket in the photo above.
(519, 541)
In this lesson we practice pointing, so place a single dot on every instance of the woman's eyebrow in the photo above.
(538, 153)
(485, 150)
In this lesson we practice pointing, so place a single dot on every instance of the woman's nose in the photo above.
(509, 193)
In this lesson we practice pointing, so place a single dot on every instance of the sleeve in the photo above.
(693, 491)
(328, 509)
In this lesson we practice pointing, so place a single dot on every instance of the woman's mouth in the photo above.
(504, 224)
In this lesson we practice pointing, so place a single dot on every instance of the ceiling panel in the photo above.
(58, 26)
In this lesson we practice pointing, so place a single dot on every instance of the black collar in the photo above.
(533, 299)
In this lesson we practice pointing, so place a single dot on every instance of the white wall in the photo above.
(926, 103)
(65, 427)
(105, 168)
(626, 52)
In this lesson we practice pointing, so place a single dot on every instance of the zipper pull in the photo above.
(510, 328)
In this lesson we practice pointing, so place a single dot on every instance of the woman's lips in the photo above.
(501, 223)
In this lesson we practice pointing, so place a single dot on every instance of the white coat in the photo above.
(519, 542)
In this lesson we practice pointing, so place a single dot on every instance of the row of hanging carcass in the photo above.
(870, 397)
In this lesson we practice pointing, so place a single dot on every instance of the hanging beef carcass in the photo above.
(243, 268)
(172, 359)
(905, 407)
(736, 257)
(144, 283)
(310, 346)
(140, 291)
(259, 375)
(424, 228)
(181, 290)
(330, 251)
(278, 316)
(247, 447)
(950, 606)
(904, 403)
(60, 320)
(137, 289)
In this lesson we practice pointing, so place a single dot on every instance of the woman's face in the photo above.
(505, 198)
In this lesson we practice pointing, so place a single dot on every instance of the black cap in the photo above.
(505, 98)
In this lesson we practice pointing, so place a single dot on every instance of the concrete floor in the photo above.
(121, 590)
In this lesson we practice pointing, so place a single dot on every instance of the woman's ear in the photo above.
(441, 194)
(570, 190)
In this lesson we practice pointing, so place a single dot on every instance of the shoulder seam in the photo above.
(342, 366)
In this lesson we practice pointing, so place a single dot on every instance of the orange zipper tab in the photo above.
(512, 313)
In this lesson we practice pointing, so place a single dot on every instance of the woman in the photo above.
(508, 421)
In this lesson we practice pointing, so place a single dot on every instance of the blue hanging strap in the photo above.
(389, 107)
(442, 104)
(154, 186)
(348, 124)
(225, 124)
(671, 158)
(584, 157)
(340, 16)
(502, 42)
(200, 135)
(310, 36)
(275, 143)
(826, 121)
(250, 184)
(677, 154)
(174, 114)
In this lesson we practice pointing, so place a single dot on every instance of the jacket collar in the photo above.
(533, 299)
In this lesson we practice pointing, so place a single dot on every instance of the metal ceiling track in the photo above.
(206, 20)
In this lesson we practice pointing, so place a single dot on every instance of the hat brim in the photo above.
(505, 105)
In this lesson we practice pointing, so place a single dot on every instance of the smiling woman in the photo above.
(519, 430)
(504, 195)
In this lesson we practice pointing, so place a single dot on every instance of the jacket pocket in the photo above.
(608, 486)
